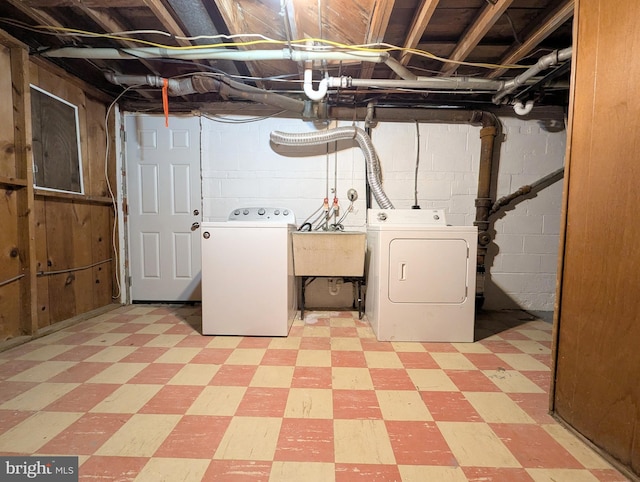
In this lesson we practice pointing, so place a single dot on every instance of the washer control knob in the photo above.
(261, 211)
(206, 235)
(236, 212)
(436, 217)
(276, 212)
(245, 212)
(285, 212)
(382, 216)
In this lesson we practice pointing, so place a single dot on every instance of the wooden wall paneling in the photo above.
(7, 147)
(21, 104)
(598, 361)
(50, 232)
(87, 220)
(96, 184)
(101, 220)
(83, 253)
(69, 248)
(34, 74)
(10, 266)
(42, 263)
(39, 64)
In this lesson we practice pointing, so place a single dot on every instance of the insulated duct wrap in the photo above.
(337, 134)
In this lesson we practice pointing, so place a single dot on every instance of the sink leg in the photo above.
(304, 285)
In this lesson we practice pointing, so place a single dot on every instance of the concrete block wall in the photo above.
(240, 167)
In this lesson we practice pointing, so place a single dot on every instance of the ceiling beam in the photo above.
(474, 34)
(540, 31)
(40, 17)
(167, 20)
(108, 24)
(378, 24)
(196, 19)
(418, 26)
(86, 3)
(231, 14)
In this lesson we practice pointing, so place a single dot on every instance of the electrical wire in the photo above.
(319, 43)
(222, 120)
(114, 203)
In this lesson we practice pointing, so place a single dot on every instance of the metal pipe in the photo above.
(211, 53)
(399, 114)
(543, 63)
(541, 183)
(449, 83)
(202, 84)
(400, 69)
(483, 203)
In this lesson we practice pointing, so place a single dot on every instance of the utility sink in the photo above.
(329, 253)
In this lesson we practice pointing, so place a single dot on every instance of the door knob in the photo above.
(195, 226)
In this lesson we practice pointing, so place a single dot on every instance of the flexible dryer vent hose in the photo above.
(337, 134)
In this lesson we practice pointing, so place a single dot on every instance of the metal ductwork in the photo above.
(202, 84)
(340, 133)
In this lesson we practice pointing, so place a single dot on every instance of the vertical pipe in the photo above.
(483, 205)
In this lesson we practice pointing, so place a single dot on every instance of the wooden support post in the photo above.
(25, 200)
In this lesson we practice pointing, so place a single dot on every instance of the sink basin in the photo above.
(329, 253)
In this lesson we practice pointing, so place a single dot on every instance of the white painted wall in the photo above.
(241, 168)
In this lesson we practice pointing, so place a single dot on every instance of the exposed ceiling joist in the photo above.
(474, 34)
(39, 16)
(195, 18)
(460, 30)
(377, 27)
(167, 20)
(108, 24)
(86, 3)
(231, 13)
(43, 18)
(536, 35)
(418, 26)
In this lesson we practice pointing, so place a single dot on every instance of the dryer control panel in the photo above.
(422, 217)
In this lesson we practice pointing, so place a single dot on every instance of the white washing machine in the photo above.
(421, 276)
(248, 284)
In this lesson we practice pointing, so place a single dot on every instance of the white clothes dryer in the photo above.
(248, 283)
(421, 276)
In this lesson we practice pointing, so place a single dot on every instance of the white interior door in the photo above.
(165, 205)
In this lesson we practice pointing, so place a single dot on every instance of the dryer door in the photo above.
(428, 270)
